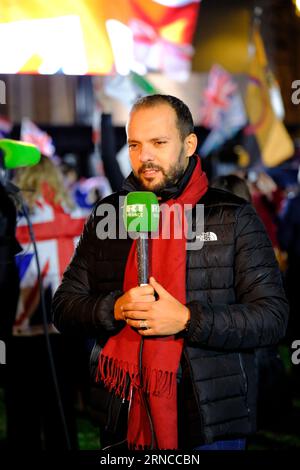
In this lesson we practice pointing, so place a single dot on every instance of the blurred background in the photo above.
(69, 73)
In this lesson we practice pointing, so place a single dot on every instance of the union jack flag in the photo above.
(31, 133)
(222, 110)
(56, 233)
(216, 97)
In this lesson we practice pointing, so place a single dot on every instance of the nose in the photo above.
(146, 155)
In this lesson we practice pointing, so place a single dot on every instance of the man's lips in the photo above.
(149, 173)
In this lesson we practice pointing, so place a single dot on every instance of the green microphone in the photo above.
(141, 215)
(16, 154)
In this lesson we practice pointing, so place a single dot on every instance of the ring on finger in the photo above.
(143, 325)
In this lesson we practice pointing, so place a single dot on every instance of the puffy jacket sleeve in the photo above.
(77, 308)
(259, 316)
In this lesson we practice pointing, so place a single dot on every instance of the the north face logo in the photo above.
(207, 237)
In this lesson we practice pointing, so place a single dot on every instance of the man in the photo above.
(180, 349)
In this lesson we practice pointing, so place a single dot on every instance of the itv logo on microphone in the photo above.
(2, 92)
(2, 353)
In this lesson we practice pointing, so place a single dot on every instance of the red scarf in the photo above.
(161, 355)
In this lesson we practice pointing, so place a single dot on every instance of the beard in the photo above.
(169, 178)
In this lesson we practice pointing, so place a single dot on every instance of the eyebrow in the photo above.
(154, 139)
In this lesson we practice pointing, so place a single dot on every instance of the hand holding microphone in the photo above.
(164, 317)
(138, 306)
(141, 216)
(140, 294)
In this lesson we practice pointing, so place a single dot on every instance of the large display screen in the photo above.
(95, 36)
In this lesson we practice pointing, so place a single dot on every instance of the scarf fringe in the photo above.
(114, 373)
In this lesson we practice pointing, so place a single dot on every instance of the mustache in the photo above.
(150, 166)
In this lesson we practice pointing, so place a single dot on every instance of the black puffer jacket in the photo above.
(236, 300)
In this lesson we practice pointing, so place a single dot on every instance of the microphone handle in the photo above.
(143, 260)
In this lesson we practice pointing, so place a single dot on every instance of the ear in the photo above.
(190, 144)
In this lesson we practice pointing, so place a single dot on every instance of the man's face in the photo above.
(157, 153)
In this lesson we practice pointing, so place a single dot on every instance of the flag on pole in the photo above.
(273, 140)
(216, 97)
(221, 110)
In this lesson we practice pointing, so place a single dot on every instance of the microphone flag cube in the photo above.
(141, 212)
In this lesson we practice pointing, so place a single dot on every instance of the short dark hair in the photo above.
(184, 122)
